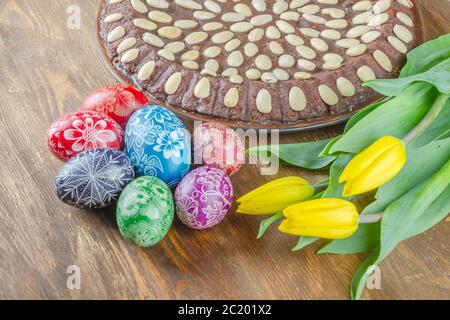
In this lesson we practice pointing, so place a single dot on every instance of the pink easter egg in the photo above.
(204, 197)
(218, 146)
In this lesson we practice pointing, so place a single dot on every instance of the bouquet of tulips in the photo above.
(399, 147)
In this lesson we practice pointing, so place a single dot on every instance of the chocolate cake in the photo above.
(257, 63)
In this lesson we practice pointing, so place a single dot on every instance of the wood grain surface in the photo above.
(46, 69)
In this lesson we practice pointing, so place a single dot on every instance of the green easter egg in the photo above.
(145, 211)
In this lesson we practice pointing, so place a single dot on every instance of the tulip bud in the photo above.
(374, 166)
(323, 218)
(274, 196)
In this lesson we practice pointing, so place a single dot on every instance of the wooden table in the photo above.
(46, 70)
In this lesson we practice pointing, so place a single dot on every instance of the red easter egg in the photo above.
(218, 146)
(80, 131)
(117, 101)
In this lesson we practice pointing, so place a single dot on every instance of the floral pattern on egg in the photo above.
(145, 211)
(158, 144)
(204, 197)
(80, 131)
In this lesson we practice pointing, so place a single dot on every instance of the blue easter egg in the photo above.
(158, 144)
(94, 179)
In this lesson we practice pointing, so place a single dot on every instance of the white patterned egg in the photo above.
(158, 144)
(94, 179)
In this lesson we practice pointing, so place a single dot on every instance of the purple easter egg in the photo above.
(204, 197)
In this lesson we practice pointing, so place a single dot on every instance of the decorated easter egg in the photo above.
(204, 197)
(77, 132)
(117, 101)
(218, 146)
(145, 211)
(158, 144)
(94, 179)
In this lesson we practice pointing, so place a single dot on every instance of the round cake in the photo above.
(257, 63)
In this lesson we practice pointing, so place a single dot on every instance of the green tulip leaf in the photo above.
(326, 151)
(304, 242)
(400, 217)
(362, 113)
(437, 76)
(438, 130)
(304, 155)
(432, 216)
(401, 220)
(364, 239)
(395, 117)
(445, 135)
(426, 56)
(266, 223)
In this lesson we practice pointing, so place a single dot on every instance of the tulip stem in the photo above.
(370, 218)
(437, 107)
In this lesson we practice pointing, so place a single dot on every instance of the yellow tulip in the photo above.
(374, 166)
(323, 218)
(274, 196)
